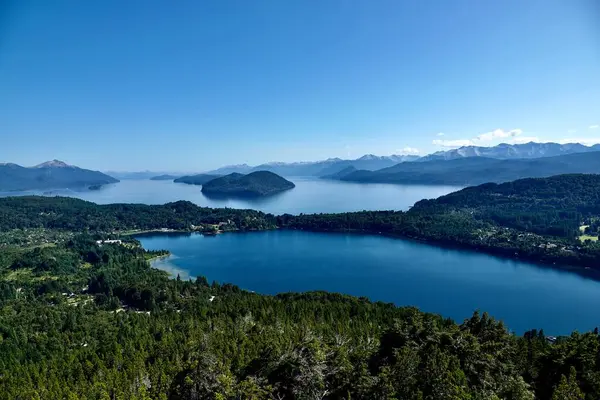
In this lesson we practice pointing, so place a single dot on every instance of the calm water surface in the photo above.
(449, 282)
(309, 196)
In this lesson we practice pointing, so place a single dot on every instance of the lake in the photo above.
(309, 196)
(450, 282)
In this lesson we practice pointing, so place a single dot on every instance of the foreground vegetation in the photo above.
(86, 318)
(81, 320)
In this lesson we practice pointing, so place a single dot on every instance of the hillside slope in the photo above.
(555, 206)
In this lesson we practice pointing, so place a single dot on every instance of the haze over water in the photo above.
(309, 196)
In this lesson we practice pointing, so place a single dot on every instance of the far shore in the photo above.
(162, 230)
(490, 251)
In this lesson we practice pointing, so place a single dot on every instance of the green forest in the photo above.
(81, 318)
(259, 183)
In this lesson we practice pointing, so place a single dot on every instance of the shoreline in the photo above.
(502, 254)
(158, 258)
(149, 231)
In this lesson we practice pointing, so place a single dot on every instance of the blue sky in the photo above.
(191, 85)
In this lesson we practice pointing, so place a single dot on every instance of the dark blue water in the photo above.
(309, 196)
(453, 283)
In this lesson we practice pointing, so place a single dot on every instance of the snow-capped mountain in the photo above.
(53, 164)
(512, 151)
(368, 162)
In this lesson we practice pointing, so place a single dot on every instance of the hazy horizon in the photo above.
(216, 167)
(209, 84)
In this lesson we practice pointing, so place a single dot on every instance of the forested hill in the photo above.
(73, 214)
(199, 179)
(259, 183)
(557, 206)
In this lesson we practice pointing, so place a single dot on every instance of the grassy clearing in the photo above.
(583, 238)
(46, 277)
(41, 246)
(19, 274)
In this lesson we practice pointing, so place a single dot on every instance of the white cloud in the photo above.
(584, 141)
(513, 136)
(479, 139)
(453, 143)
(571, 131)
(408, 151)
(524, 139)
(441, 134)
(498, 134)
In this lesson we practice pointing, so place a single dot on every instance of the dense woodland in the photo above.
(554, 206)
(83, 319)
(72, 214)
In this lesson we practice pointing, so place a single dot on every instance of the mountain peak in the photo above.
(508, 151)
(369, 157)
(53, 164)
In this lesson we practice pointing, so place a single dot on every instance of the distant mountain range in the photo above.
(164, 177)
(134, 175)
(512, 151)
(50, 175)
(199, 179)
(371, 162)
(478, 170)
(318, 168)
(463, 166)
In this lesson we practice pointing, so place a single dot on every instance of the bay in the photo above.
(453, 283)
(309, 196)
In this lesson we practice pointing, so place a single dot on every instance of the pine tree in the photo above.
(568, 389)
